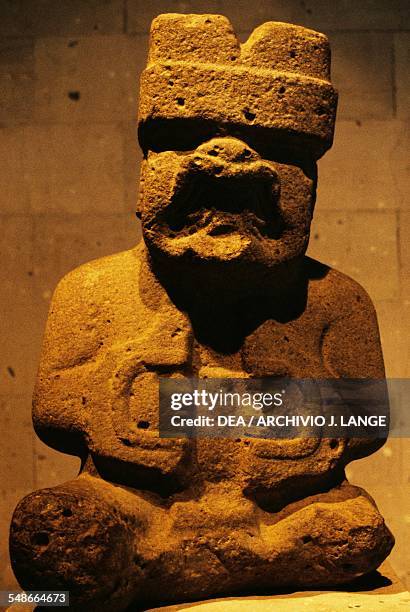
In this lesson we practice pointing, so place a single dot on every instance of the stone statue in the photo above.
(220, 287)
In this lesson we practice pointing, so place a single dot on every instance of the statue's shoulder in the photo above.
(92, 292)
(335, 287)
(85, 303)
(98, 279)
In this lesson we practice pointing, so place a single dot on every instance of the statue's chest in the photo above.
(148, 344)
(292, 349)
(166, 346)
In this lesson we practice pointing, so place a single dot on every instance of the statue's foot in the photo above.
(69, 538)
(330, 541)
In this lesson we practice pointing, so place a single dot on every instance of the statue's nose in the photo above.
(229, 149)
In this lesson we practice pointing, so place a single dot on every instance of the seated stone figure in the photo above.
(220, 287)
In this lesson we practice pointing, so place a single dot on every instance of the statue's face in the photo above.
(222, 202)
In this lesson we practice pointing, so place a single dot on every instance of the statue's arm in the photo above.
(352, 348)
(70, 347)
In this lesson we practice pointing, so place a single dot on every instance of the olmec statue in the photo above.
(220, 287)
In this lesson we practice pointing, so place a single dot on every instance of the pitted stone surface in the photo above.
(220, 287)
(198, 71)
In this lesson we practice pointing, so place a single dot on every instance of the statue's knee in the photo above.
(69, 539)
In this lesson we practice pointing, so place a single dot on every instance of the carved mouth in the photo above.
(224, 205)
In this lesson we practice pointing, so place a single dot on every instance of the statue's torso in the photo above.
(128, 333)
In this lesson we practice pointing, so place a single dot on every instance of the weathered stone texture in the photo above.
(229, 217)
(362, 73)
(213, 81)
(23, 22)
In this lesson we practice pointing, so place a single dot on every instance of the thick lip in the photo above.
(224, 198)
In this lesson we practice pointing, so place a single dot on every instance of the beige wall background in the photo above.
(69, 176)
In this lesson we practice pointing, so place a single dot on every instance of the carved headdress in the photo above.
(198, 72)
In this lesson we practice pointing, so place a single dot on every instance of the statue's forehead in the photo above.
(199, 76)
